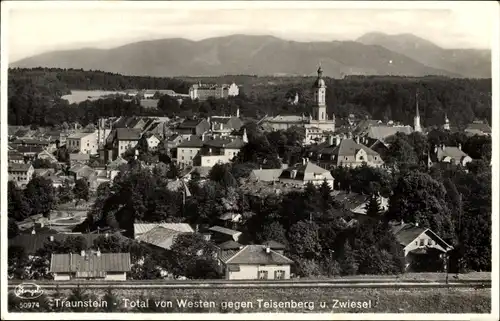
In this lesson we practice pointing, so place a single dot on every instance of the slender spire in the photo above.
(416, 103)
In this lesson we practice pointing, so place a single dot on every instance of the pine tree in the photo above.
(373, 209)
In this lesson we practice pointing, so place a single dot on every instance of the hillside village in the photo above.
(278, 197)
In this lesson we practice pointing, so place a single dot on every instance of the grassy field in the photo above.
(307, 300)
(417, 276)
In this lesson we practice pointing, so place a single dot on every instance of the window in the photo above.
(182, 157)
(422, 242)
(416, 242)
(88, 144)
(279, 275)
(190, 157)
(429, 242)
(346, 158)
(262, 275)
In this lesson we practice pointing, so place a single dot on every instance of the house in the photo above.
(29, 151)
(160, 237)
(120, 140)
(225, 125)
(33, 242)
(382, 132)
(47, 156)
(45, 172)
(275, 246)
(344, 152)
(153, 141)
(81, 171)
(217, 151)
(255, 262)
(13, 156)
(423, 249)
(78, 158)
(221, 234)
(193, 127)
(86, 143)
(357, 203)
(451, 154)
(198, 172)
(478, 127)
(90, 265)
(203, 91)
(21, 174)
(305, 173)
(142, 228)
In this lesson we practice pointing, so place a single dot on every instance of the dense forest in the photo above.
(35, 97)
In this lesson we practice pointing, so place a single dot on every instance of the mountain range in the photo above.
(371, 54)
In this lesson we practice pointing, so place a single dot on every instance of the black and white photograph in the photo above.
(249, 160)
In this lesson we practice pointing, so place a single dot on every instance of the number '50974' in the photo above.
(29, 305)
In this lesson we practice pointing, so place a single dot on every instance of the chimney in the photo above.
(106, 235)
(303, 161)
(98, 253)
(238, 112)
(402, 222)
(357, 139)
(330, 139)
(416, 224)
(268, 250)
(460, 146)
(337, 140)
(51, 238)
(435, 149)
(33, 231)
(82, 253)
(197, 228)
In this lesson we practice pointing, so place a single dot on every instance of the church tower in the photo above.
(446, 125)
(416, 119)
(319, 108)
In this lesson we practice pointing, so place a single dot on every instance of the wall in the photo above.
(231, 153)
(61, 276)
(123, 145)
(209, 161)
(185, 155)
(251, 272)
(116, 276)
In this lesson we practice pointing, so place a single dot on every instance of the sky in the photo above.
(34, 28)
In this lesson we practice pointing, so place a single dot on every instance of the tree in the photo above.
(81, 189)
(64, 193)
(273, 231)
(190, 253)
(373, 208)
(13, 230)
(401, 153)
(17, 205)
(305, 239)
(221, 174)
(418, 198)
(111, 299)
(40, 195)
(17, 262)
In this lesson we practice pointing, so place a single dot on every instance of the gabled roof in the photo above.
(223, 230)
(274, 245)
(192, 142)
(382, 132)
(190, 123)
(348, 147)
(106, 262)
(160, 237)
(407, 233)
(230, 245)
(128, 134)
(116, 163)
(79, 157)
(141, 228)
(450, 151)
(29, 149)
(33, 242)
(257, 254)
(79, 135)
(266, 175)
(479, 126)
(16, 167)
(306, 172)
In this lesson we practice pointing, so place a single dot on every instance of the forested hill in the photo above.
(58, 82)
(34, 97)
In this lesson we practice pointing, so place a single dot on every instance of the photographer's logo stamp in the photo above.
(28, 291)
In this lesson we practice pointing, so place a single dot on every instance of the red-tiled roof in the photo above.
(90, 263)
(128, 134)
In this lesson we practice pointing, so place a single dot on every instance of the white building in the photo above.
(86, 143)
